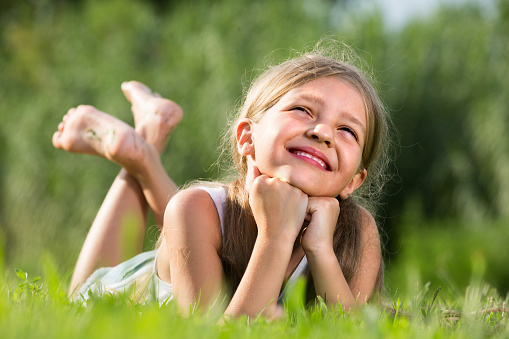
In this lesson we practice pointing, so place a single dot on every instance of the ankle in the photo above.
(150, 163)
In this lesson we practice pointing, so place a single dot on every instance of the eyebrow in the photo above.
(312, 98)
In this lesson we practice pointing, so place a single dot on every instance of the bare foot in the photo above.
(87, 130)
(154, 117)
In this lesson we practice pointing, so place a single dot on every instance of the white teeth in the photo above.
(307, 155)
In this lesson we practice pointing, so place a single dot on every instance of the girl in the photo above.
(307, 134)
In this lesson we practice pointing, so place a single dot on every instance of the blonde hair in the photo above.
(240, 230)
(239, 227)
(278, 80)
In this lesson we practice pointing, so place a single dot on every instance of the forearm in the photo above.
(259, 288)
(329, 281)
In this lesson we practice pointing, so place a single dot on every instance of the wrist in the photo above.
(283, 236)
(320, 252)
(282, 239)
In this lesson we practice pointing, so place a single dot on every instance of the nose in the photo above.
(321, 133)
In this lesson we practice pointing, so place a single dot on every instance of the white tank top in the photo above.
(218, 194)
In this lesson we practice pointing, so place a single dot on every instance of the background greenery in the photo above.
(445, 80)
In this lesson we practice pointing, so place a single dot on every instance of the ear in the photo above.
(244, 135)
(354, 184)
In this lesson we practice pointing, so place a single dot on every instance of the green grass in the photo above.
(431, 74)
(35, 307)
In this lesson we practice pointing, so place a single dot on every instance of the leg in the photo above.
(154, 118)
(86, 130)
(116, 232)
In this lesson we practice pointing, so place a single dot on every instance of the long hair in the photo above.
(240, 229)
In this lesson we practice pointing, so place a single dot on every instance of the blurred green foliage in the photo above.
(444, 79)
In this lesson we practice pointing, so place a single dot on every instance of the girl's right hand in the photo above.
(279, 208)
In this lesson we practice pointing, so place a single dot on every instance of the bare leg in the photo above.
(154, 118)
(116, 232)
(86, 130)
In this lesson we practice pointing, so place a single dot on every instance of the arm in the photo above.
(279, 211)
(189, 252)
(192, 239)
(327, 274)
(260, 286)
(364, 281)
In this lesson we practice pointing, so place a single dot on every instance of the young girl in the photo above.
(307, 135)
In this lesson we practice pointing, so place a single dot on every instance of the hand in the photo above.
(278, 208)
(322, 213)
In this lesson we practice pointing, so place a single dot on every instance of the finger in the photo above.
(254, 177)
(302, 233)
(307, 217)
(256, 172)
(326, 205)
(312, 206)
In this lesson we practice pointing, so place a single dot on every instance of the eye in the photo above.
(350, 131)
(303, 110)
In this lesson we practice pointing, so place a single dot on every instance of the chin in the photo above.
(306, 183)
(312, 190)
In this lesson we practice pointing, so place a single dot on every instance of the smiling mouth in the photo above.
(310, 158)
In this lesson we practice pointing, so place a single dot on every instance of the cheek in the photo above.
(350, 163)
(262, 154)
(354, 154)
(265, 160)
(266, 141)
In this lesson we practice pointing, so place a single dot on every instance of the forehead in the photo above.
(330, 86)
(330, 93)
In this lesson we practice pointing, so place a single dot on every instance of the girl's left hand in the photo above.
(323, 213)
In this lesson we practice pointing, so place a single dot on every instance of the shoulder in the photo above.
(369, 228)
(193, 213)
(193, 196)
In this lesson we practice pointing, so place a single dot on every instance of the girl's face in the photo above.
(312, 138)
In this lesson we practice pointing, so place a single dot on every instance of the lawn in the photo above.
(38, 307)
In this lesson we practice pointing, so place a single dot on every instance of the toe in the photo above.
(56, 139)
